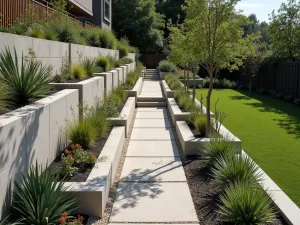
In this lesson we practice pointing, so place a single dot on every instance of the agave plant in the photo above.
(27, 81)
(40, 199)
(231, 169)
(246, 204)
(214, 149)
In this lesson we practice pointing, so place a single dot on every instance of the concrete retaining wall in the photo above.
(52, 52)
(91, 91)
(33, 133)
(108, 81)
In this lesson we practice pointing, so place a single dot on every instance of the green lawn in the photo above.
(270, 133)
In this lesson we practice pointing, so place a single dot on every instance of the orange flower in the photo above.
(65, 214)
(78, 146)
(70, 157)
(62, 220)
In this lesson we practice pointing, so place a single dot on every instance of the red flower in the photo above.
(66, 151)
(73, 147)
(65, 214)
(62, 220)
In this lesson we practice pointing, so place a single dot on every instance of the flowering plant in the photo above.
(65, 220)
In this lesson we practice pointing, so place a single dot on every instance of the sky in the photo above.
(262, 8)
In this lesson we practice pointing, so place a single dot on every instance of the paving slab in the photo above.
(152, 149)
(151, 115)
(158, 123)
(151, 109)
(151, 94)
(153, 169)
(152, 134)
(153, 202)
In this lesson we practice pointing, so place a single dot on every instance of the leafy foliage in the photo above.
(103, 63)
(166, 66)
(78, 71)
(40, 199)
(244, 203)
(140, 23)
(125, 60)
(27, 81)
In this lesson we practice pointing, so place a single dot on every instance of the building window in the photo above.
(107, 10)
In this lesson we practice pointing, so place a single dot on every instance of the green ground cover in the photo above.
(270, 133)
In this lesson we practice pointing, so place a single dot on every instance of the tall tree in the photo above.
(285, 30)
(216, 31)
(140, 23)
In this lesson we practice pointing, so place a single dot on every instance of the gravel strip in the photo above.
(113, 191)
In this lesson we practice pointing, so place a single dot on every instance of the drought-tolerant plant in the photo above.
(110, 107)
(98, 118)
(244, 204)
(40, 199)
(166, 66)
(231, 169)
(214, 149)
(27, 81)
(4, 96)
(113, 62)
(199, 123)
(90, 66)
(36, 31)
(125, 60)
(65, 220)
(50, 34)
(123, 50)
(132, 77)
(103, 64)
(78, 71)
(107, 39)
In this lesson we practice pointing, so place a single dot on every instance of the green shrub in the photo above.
(50, 34)
(113, 62)
(35, 31)
(123, 50)
(206, 82)
(132, 77)
(78, 71)
(200, 123)
(107, 39)
(231, 169)
(27, 81)
(125, 60)
(40, 199)
(244, 203)
(288, 98)
(66, 32)
(98, 118)
(90, 67)
(297, 101)
(216, 148)
(82, 132)
(103, 63)
(166, 66)
(110, 107)
(93, 38)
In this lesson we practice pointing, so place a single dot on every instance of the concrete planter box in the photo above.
(198, 81)
(33, 133)
(125, 72)
(162, 75)
(126, 115)
(93, 194)
(136, 90)
(120, 75)
(115, 78)
(108, 81)
(91, 91)
(191, 145)
(167, 90)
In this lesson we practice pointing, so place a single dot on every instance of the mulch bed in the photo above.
(83, 173)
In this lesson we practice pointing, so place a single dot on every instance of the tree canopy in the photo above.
(140, 23)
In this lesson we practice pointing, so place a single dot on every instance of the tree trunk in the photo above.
(188, 80)
(211, 84)
(250, 85)
(194, 86)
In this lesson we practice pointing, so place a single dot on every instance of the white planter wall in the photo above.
(33, 133)
(52, 52)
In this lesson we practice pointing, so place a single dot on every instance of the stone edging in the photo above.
(126, 115)
(94, 193)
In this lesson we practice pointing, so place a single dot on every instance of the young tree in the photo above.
(216, 31)
(284, 31)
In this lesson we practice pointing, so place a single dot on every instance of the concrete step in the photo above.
(151, 104)
(152, 76)
(150, 99)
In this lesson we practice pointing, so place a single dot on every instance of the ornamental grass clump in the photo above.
(90, 66)
(107, 39)
(245, 204)
(39, 198)
(26, 81)
(231, 169)
(79, 72)
(125, 60)
(103, 64)
(214, 149)
(166, 66)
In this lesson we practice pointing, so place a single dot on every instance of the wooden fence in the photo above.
(151, 61)
(11, 10)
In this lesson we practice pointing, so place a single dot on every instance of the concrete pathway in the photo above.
(153, 187)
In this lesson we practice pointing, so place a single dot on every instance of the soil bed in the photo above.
(195, 132)
(205, 196)
(84, 172)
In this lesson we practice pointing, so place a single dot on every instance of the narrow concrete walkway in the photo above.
(153, 187)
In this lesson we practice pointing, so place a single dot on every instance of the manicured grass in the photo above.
(270, 133)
